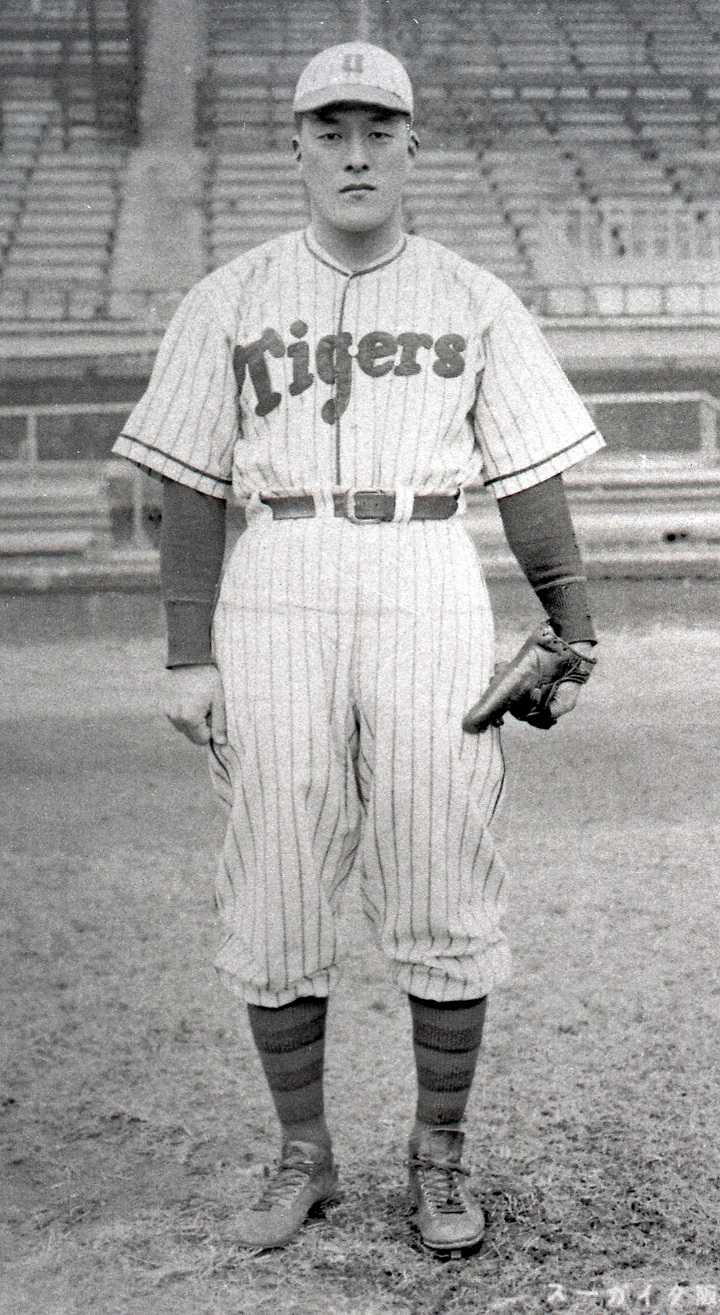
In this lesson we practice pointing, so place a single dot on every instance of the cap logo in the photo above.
(353, 62)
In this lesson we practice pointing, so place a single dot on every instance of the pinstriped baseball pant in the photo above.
(348, 655)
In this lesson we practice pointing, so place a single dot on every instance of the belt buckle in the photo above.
(352, 513)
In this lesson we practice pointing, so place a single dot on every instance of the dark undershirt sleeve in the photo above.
(539, 531)
(192, 544)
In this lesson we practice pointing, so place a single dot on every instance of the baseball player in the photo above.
(347, 383)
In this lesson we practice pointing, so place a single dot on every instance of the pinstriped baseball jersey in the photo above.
(284, 372)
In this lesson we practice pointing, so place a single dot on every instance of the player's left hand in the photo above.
(566, 696)
(568, 692)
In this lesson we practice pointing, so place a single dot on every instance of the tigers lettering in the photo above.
(334, 366)
(252, 358)
(299, 353)
(378, 354)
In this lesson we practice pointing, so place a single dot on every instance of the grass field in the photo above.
(134, 1116)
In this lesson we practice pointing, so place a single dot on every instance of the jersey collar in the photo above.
(320, 253)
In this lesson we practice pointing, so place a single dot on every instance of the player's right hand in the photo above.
(193, 700)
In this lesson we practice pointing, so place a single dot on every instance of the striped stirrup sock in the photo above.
(446, 1039)
(291, 1044)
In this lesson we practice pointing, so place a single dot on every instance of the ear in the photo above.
(413, 143)
(296, 149)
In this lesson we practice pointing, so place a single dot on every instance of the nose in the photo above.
(356, 158)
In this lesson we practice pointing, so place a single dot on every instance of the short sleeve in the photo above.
(529, 422)
(186, 423)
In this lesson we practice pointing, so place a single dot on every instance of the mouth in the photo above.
(357, 187)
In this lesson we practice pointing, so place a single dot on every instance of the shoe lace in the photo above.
(282, 1187)
(441, 1184)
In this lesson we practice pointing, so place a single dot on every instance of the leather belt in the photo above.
(365, 506)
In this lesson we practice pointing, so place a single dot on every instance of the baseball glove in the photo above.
(525, 687)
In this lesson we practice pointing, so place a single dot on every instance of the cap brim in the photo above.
(351, 94)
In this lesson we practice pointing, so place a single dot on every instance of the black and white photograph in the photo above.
(359, 657)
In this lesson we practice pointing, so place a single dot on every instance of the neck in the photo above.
(356, 250)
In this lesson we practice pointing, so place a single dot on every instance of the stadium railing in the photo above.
(659, 258)
(671, 231)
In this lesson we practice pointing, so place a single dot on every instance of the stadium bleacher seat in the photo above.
(611, 173)
(449, 199)
(64, 138)
(526, 184)
(296, 29)
(559, 100)
(547, 101)
(242, 192)
(63, 235)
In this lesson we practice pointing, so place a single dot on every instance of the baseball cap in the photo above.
(354, 71)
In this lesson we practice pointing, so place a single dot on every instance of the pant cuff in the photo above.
(319, 985)
(433, 983)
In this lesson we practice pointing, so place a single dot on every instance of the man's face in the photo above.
(354, 162)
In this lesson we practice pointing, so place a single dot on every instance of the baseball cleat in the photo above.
(306, 1177)
(448, 1218)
